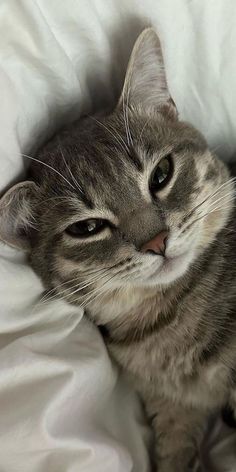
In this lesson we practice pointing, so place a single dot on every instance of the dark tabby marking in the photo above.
(132, 217)
(228, 417)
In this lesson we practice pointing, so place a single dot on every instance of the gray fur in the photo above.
(170, 323)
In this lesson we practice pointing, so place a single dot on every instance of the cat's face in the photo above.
(123, 201)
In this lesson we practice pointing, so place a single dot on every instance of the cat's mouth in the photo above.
(170, 268)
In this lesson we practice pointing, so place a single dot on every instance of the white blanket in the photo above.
(63, 406)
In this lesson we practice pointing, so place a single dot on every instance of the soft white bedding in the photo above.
(63, 407)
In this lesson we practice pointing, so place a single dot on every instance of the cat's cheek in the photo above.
(175, 268)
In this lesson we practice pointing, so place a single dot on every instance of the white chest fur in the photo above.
(167, 361)
(158, 369)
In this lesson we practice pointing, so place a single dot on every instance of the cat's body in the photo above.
(186, 351)
(132, 217)
(180, 347)
(184, 356)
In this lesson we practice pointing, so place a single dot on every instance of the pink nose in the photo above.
(157, 244)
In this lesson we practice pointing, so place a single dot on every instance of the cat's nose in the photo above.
(157, 245)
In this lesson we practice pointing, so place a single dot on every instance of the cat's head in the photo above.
(127, 200)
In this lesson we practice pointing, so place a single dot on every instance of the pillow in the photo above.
(63, 405)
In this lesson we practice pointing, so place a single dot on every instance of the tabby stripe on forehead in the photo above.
(233, 376)
(87, 201)
(134, 158)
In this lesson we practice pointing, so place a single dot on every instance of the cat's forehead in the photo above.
(108, 158)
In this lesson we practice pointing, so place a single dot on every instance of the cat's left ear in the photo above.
(17, 214)
(145, 82)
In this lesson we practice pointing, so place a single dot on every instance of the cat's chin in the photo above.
(171, 269)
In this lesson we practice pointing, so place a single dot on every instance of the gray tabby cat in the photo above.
(131, 217)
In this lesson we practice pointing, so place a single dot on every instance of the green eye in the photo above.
(162, 174)
(86, 228)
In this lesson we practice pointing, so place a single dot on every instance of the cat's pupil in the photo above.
(161, 174)
(86, 228)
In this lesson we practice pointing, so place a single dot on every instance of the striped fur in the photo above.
(169, 322)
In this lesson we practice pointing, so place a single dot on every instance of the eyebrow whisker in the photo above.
(119, 139)
(49, 167)
(69, 170)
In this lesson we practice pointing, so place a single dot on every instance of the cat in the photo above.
(131, 216)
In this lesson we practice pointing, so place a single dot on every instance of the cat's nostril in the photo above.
(149, 251)
(157, 245)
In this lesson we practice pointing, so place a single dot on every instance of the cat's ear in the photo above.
(16, 214)
(145, 82)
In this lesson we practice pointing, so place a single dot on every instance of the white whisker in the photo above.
(218, 200)
(97, 291)
(119, 139)
(69, 170)
(49, 167)
(228, 182)
(144, 126)
(79, 286)
(209, 212)
(127, 118)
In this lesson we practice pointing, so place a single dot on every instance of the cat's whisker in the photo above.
(67, 293)
(79, 286)
(121, 274)
(63, 295)
(229, 197)
(46, 297)
(100, 277)
(126, 111)
(124, 117)
(220, 199)
(216, 148)
(116, 136)
(100, 272)
(207, 214)
(119, 263)
(143, 129)
(103, 292)
(127, 119)
(225, 205)
(49, 167)
(229, 194)
(68, 168)
(126, 148)
(217, 208)
(56, 197)
(209, 196)
(201, 216)
(98, 292)
(229, 230)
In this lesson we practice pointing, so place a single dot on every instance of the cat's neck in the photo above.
(129, 311)
(134, 309)
(138, 306)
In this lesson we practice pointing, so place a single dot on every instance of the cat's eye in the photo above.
(161, 174)
(86, 228)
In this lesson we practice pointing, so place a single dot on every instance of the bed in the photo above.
(64, 406)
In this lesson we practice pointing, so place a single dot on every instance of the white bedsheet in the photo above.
(63, 406)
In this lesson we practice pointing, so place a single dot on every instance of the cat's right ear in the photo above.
(145, 83)
(17, 214)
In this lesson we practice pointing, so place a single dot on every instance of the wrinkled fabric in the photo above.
(64, 406)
